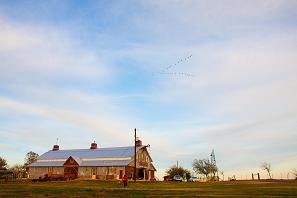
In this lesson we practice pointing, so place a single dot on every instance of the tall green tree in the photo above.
(30, 158)
(3, 163)
(174, 170)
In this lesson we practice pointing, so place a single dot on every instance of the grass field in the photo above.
(93, 188)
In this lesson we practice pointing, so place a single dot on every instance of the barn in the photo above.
(96, 163)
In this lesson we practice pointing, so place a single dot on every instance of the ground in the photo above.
(93, 188)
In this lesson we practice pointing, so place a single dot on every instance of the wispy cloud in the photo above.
(44, 53)
(102, 125)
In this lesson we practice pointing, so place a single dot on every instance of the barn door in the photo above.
(70, 172)
(70, 168)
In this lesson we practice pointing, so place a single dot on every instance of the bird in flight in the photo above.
(168, 70)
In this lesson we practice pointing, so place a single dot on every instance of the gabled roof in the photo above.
(114, 156)
(69, 161)
(112, 152)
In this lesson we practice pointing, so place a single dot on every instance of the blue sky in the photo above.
(85, 70)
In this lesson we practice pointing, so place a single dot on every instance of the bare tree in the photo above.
(294, 172)
(222, 173)
(204, 167)
(267, 167)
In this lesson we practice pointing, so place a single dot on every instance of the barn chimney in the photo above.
(93, 145)
(138, 142)
(55, 147)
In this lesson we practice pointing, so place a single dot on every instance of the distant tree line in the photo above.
(211, 172)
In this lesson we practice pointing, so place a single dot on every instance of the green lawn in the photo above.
(93, 188)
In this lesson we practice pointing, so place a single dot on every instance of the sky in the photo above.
(82, 71)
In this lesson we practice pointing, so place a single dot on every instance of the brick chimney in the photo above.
(55, 147)
(138, 142)
(93, 145)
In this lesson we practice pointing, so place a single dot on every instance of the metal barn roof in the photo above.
(90, 153)
(115, 156)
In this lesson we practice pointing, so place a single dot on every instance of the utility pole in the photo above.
(134, 175)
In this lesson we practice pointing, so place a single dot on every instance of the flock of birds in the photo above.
(168, 70)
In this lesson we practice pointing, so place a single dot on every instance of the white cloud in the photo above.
(102, 126)
(244, 84)
(42, 53)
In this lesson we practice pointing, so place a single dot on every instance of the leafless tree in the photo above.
(267, 167)
(222, 173)
(205, 167)
(294, 172)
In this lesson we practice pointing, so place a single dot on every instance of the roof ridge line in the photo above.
(93, 149)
